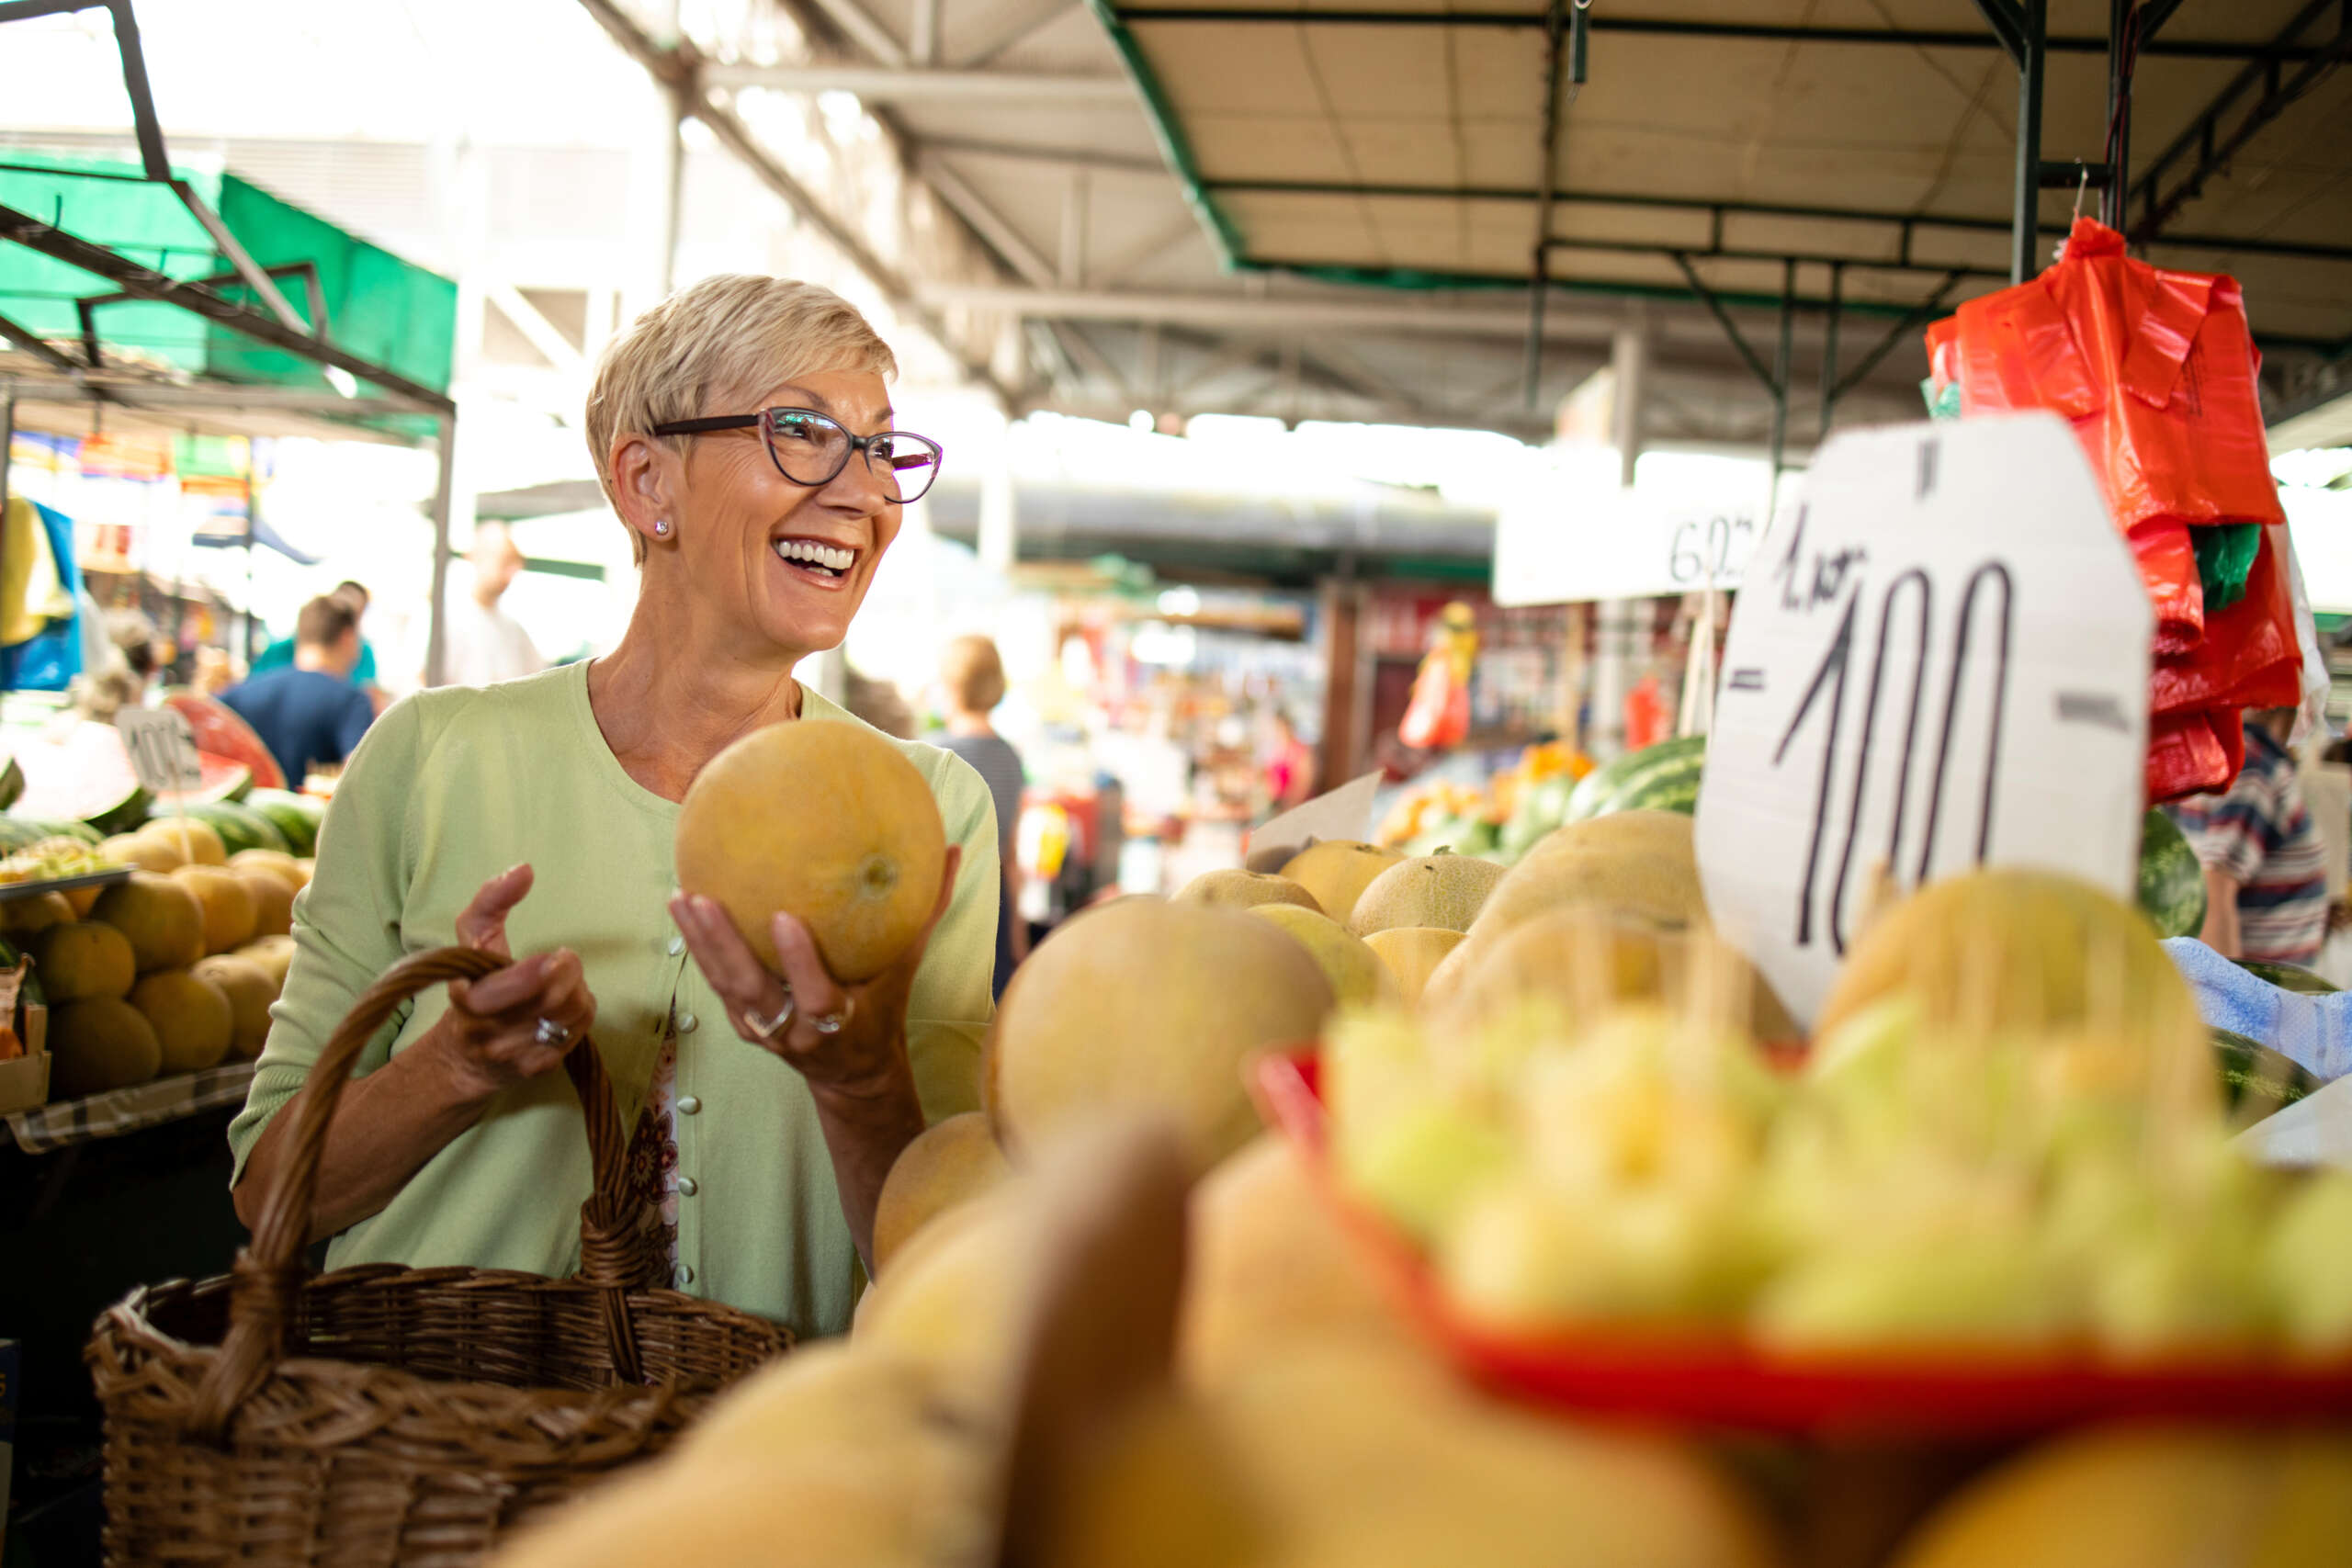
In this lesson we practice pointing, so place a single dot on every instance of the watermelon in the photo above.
(1541, 808)
(2256, 1080)
(297, 816)
(12, 783)
(1664, 777)
(2172, 882)
(240, 827)
(81, 774)
(2287, 977)
(220, 729)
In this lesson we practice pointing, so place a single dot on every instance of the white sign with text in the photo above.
(1623, 544)
(1940, 660)
(162, 748)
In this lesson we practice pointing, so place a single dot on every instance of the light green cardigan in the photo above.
(452, 787)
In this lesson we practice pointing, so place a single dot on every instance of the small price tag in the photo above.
(163, 749)
(1939, 660)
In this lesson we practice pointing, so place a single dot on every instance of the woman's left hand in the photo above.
(865, 1052)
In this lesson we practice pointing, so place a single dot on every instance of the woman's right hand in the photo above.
(492, 1036)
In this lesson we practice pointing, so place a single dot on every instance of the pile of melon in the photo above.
(172, 971)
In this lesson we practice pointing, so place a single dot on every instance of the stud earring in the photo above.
(661, 526)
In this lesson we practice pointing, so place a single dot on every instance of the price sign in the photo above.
(1940, 660)
(163, 749)
(1621, 545)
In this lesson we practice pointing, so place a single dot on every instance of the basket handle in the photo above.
(269, 1270)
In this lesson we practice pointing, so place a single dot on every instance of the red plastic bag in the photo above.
(2248, 658)
(2191, 753)
(2155, 368)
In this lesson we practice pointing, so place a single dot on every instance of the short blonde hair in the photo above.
(973, 673)
(726, 336)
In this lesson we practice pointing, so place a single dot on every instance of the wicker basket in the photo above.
(381, 1415)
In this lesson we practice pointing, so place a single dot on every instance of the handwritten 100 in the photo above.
(1987, 607)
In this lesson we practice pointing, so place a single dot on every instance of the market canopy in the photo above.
(1713, 142)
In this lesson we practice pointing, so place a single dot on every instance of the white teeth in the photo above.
(809, 552)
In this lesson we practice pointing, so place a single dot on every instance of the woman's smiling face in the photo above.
(787, 564)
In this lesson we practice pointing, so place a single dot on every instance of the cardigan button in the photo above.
(677, 945)
(688, 1023)
(687, 1188)
(685, 1276)
(688, 1105)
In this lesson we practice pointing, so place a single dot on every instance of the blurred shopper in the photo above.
(2265, 865)
(279, 655)
(310, 714)
(973, 675)
(1290, 767)
(481, 644)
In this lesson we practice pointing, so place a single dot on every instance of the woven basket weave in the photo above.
(382, 1416)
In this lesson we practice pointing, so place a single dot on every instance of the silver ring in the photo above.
(550, 1033)
(769, 1028)
(835, 1023)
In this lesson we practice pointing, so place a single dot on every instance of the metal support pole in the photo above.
(2122, 47)
(1781, 377)
(1829, 349)
(2033, 55)
(673, 192)
(436, 640)
(1555, 39)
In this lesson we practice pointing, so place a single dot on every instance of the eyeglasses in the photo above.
(811, 449)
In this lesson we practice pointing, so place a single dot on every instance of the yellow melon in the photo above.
(2015, 948)
(1442, 890)
(83, 958)
(1637, 864)
(99, 1043)
(1412, 954)
(250, 991)
(161, 916)
(826, 821)
(272, 898)
(953, 1161)
(1355, 972)
(196, 841)
(277, 863)
(1152, 1004)
(22, 919)
(2153, 1497)
(1337, 871)
(148, 852)
(273, 955)
(1269, 1267)
(192, 1020)
(227, 903)
(1234, 889)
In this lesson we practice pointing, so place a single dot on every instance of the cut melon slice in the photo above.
(82, 774)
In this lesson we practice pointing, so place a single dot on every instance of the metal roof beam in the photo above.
(885, 84)
(1030, 21)
(1058, 157)
(991, 225)
(859, 24)
(1269, 314)
(1660, 27)
(1912, 222)
(2206, 148)
(23, 337)
(147, 284)
(679, 68)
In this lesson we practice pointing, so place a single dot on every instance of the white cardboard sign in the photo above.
(1624, 545)
(162, 748)
(1341, 813)
(1940, 660)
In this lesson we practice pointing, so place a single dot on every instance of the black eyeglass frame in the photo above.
(859, 446)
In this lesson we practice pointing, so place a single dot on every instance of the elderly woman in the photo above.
(742, 429)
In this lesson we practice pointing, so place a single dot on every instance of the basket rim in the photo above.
(129, 1324)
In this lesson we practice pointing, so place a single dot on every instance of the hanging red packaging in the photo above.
(2248, 659)
(2155, 368)
(2191, 753)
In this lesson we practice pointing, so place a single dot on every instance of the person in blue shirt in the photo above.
(309, 714)
(279, 655)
